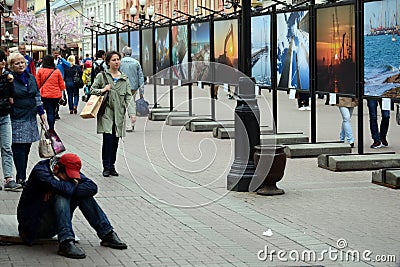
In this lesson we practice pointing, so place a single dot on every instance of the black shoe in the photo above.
(106, 173)
(57, 117)
(68, 249)
(384, 141)
(112, 240)
(21, 182)
(113, 172)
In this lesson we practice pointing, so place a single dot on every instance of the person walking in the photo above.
(346, 107)
(131, 68)
(6, 99)
(378, 134)
(72, 89)
(51, 85)
(26, 106)
(111, 124)
(86, 78)
(56, 187)
(61, 65)
(30, 63)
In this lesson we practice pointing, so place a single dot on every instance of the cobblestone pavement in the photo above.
(171, 206)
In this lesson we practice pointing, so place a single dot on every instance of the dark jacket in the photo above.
(34, 200)
(6, 91)
(26, 98)
(69, 73)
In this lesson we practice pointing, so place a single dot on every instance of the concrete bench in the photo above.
(173, 120)
(206, 126)
(284, 138)
(314, 150)
(162, 116)
(387, 177)
(350, 162)
(221, 132)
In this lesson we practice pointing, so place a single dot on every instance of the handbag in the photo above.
(104, 101)
(92, 107)
(56, 142)
(142, 107)
(45, 148)
(398, 114)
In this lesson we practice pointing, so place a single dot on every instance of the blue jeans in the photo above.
(50, 105)
(5, 144)
(346, 132)
(109, 150)
(73, 95)
(57, 219)
(373, 120)
(20, 155)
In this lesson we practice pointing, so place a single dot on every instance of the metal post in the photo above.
(359, 28)
(313, 66)
(153, 39)
(91, 43)
(274, 78)
(189, 49)
(212, 66)
(171, 86)
(245, 46)
(48, 27)
(140, 46)
(247, 136)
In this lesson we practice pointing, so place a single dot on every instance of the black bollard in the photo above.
(247, 135)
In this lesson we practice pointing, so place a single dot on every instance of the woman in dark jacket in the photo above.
(26, 106)
(72, 88)
(6, 94)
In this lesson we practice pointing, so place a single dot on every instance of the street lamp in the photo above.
(7, 38)
(91, 16)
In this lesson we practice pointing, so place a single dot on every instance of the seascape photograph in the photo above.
(123, 40)
(381, 46)
(335, 51)
(134, 43)
(293, 68)
(101, 42)
(200, 49)
(261, 49)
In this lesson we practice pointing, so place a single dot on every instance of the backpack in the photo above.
(78, 79)
(96, 69)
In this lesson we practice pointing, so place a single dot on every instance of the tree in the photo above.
(63, 28)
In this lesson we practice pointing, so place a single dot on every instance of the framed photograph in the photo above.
(112, 42)
(123, 40)
(162, 48)
(335, 50)
(147, 52)
(101, 42)
(261, 49)
(179, 51)
(200, 49)
(293, 68)
(381, 48)
(135, 44)
(226, 48)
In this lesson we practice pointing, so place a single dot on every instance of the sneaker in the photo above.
(376, 144)
(302, 108)
(384, 142)
(21, 182)
(112, 240)
(113, 172)
(68, 249)
(106, 173)
(11, 185)
(130, 130)
(307, 108)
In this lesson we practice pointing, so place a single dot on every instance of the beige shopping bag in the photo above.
(92, 107)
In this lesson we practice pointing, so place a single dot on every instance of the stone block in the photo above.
(283, 139)
(352, 162)
(387, 177)
(314, 150)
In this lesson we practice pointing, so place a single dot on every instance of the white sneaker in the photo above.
(302, 108)
(307, 108)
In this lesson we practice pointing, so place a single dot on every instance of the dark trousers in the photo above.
(50, 105)
(58, 217)
(109, 150)
(20, 156)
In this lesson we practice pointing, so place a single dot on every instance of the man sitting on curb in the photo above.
(54, 190)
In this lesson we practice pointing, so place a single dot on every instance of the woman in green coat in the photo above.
(111, 124)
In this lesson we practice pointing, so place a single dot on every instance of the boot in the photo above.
(68, 249)
(112, 240)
